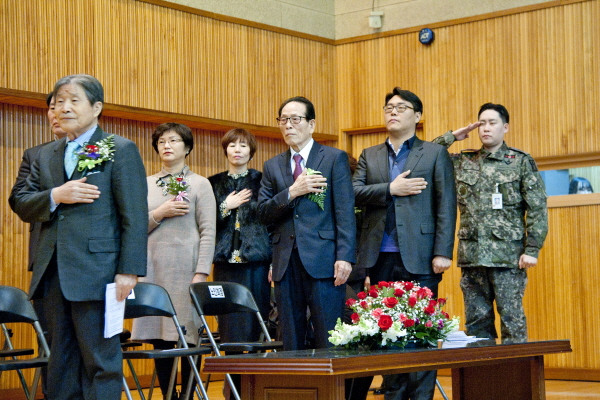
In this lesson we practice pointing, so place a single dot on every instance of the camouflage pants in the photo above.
(480, 287)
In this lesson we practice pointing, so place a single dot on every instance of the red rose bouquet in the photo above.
(394, 314)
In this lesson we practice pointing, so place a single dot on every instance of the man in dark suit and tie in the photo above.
(314, 242)
(407, 188)
(29, 155)
(94, 220)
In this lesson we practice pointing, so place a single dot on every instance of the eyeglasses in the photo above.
(293, 120)
(400, 107)
(172, 142)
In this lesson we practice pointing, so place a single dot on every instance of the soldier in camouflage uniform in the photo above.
(503, 224)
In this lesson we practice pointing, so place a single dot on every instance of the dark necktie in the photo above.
(298, 168)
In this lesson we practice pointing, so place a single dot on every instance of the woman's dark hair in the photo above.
(243, 135)
(180, 129)
(578, 184)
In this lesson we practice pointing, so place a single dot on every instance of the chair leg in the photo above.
(198, 379)
(173, 379)
(441, 389)
(232, 387)
(36, 382)
(152, 383)
(136, 380)
(126, 389)
(9, 346)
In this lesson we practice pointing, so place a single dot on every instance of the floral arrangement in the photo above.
(91, 155)
(394, 314)
(316, 197)
(177, 187)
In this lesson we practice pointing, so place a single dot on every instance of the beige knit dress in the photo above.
(178, 248)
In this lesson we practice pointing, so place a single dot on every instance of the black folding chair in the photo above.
(153, 300)
(220, 298)
(16, 308)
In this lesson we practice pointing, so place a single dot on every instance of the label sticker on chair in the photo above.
(216, 292)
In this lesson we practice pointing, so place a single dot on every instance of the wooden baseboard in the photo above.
(563, 374)
(559, 374)
(18, 394)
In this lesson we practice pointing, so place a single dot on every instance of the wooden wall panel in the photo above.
(24, 127)
(164, 59)
(542, 65)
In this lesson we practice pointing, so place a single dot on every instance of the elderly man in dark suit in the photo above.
(29, 155)
(407, 188)
(94, 219)
(311, 217)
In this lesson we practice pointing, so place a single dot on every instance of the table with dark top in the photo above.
(481, 370)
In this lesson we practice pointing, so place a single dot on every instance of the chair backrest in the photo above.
(15, 306)
(219, 298)
(150, 301)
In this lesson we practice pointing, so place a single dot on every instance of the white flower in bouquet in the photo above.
(392, 314)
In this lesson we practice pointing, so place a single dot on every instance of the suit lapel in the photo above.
(383, 163)
(414, 156)
(315, 156)
(285, 167)
(57, 163)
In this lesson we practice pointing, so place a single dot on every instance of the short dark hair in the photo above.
(499, 108)
(180, 129)
(406, 95)
(243, 135)
(49, 98)
(310, 109)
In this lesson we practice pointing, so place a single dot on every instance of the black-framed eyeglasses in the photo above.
(400, 107)
(293, 120)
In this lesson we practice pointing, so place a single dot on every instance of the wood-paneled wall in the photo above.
(544, 66)
(163, 59)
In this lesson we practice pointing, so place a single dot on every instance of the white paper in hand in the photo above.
(114, 312)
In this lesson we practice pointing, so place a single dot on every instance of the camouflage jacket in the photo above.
(497, 237)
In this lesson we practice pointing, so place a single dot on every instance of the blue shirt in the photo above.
(396, 161)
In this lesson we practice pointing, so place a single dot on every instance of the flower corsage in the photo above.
(318, 198)
(95, 154)
(177, 187)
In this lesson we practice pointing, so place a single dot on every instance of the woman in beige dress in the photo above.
(181, 241)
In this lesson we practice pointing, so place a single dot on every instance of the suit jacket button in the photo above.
(292, 237)
(61, 217)
(296, 216)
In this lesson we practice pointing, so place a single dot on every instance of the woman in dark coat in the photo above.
(243, 251)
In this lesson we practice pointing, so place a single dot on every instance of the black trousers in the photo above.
(413, 385)
(296, 291)
(83, 364)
